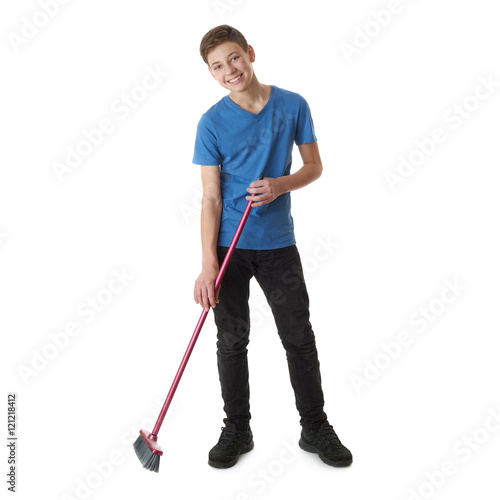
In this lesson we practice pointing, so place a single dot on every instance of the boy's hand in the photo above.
(266, 191)
(204, 288)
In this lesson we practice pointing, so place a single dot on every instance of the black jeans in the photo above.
(279, 274)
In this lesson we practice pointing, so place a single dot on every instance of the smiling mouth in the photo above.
(236, 79)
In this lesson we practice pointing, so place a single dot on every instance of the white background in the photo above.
(132, 206)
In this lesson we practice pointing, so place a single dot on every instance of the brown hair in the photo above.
(218, 35)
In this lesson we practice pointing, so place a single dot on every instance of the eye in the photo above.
(236, 57)
(217, 67)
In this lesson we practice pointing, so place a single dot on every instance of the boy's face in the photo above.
(231, 66)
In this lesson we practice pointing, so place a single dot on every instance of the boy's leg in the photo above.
(279, 273)
(232, 318)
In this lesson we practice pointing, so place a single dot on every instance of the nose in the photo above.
(231, 70)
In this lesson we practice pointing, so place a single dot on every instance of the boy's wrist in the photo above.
(210, 262)
(282, 185)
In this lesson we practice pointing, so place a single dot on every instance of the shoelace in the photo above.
(228, 436)
(329, 435)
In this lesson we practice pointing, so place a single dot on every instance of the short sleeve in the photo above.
(206, 150)
(305, 126)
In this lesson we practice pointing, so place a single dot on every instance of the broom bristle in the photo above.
(148, 459)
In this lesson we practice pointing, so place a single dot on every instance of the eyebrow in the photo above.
(218, 62)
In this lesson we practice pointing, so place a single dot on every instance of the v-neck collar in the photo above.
(233, 104)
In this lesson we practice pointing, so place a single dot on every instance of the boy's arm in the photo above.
(211, 208)
(269, 188)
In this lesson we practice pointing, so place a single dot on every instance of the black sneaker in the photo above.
(232, 443)
(326, 444)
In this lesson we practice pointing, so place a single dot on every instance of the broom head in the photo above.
(148, 450)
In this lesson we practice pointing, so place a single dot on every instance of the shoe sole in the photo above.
(312, 449)
(226, 465)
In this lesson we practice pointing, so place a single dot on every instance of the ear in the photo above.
(251, 53)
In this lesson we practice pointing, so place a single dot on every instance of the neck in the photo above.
(254, 95)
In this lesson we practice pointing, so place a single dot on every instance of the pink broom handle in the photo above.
(203, 316)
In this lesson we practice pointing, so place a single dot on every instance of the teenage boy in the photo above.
(248, 132)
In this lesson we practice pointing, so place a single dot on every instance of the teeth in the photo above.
(235, 79)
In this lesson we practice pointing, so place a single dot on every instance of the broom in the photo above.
(146, 445)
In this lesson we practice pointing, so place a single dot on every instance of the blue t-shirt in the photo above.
(244, 145)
